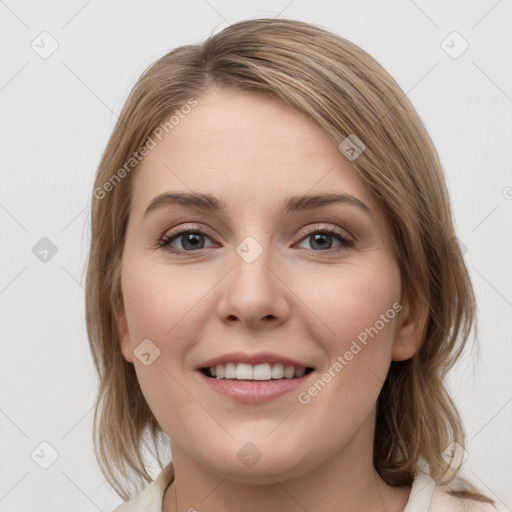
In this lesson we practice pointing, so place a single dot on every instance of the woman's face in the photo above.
(256, 278)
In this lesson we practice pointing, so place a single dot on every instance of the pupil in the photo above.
(192, 239)
(318, 238)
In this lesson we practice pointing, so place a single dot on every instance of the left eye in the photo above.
(192, 240)
(321, 237)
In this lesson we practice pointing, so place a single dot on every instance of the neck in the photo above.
(345, 481)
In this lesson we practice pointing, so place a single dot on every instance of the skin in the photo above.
(297, 299)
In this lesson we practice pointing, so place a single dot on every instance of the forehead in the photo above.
(246, 147)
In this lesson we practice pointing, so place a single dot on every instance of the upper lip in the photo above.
(253, 359)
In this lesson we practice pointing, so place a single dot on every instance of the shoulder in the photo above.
(150, 499)
(443, 501)
(426, 496)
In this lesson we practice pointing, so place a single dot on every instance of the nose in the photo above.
(254, 291)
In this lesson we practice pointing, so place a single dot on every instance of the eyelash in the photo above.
(346, 242)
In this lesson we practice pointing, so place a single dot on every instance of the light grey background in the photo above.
(57, 113)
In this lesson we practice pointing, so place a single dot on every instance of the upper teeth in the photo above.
(244, 371)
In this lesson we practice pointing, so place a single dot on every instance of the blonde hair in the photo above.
(346, 92)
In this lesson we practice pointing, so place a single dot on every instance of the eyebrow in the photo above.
(211, 204)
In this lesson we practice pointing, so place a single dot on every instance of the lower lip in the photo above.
(254, 391)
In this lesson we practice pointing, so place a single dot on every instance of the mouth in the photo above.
(253, 385)
(255, 373)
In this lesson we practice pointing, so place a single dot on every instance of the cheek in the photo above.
(162, 304)
(164, 307)
(355, 323)
(352, 299)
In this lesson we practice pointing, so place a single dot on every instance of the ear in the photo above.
(411, 326)
(124, 335)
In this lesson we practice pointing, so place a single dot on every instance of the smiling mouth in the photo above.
(275, 375)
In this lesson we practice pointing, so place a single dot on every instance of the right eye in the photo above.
(190, 239)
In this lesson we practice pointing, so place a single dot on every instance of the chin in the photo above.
(259, 463)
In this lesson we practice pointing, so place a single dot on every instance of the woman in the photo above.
(274, 284)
